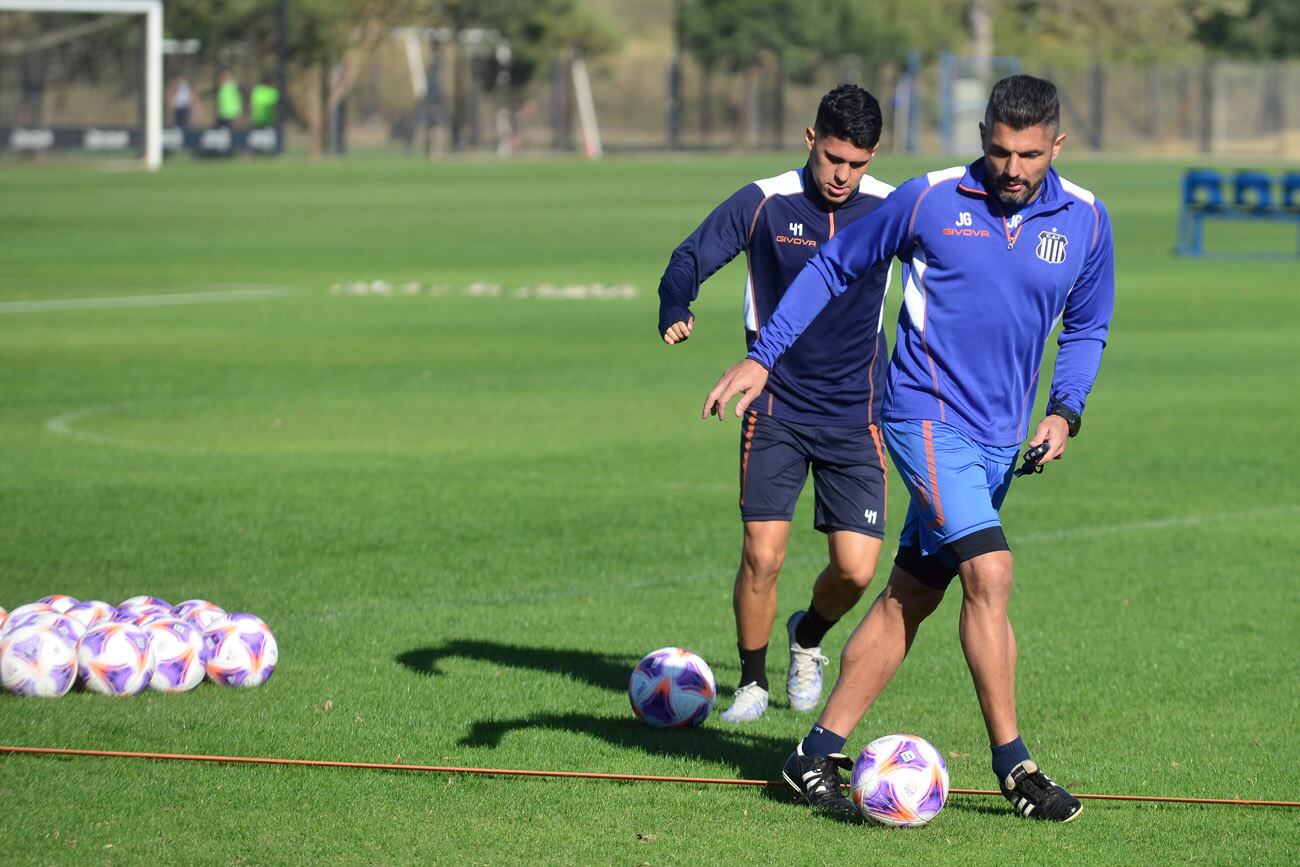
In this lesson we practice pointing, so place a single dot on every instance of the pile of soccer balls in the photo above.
(143, 643)
(898, 780)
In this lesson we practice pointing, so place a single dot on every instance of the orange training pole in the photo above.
(645, 778)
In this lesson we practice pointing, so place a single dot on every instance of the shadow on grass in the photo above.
(610, 672)
(757, 757)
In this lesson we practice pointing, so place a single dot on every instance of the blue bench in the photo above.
(1252, 198)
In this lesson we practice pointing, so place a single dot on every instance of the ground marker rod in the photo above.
(640, 778)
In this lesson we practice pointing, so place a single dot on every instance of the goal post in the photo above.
(152, 10)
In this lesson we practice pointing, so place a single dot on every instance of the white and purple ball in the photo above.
(62, 624)
(202, 613)
(36, 661)
(140, 615)
(672, 688)
(900, 780)
(91, 613)
(67, 628)
(116, 659)
(22, 615)
(240, 651)
(177, 655)
(144, 602)
(61, 603)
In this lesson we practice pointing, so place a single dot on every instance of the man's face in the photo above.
(1017, 160)
(837, 165)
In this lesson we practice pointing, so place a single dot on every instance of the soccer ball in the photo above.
(62, 625)
(240, 651)
(141, 614)
(141, 602)
(28, 615)
(116, 659)
(61, 603)
(177, 655)
(200, 612)
(91, 613)
(673, 688)
(900, 780)
(36, 661)
(22, 615)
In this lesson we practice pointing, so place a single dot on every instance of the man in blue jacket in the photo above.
(821, 406)
(994, 254)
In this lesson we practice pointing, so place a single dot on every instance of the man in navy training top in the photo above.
(993, 253)
(821, 406)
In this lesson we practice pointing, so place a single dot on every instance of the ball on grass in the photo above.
(672, 688)
(900, 780)
(116, 659)
(177, 655)
(36, 661)
(240, 650)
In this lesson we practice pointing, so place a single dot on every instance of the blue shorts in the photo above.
(848, 470)
(956, 485)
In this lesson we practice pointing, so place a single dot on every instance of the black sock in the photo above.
(812, 628)
(753, 666)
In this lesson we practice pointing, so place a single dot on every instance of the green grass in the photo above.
(467, 517)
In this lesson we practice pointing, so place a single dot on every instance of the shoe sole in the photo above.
(855, 817)
(1073, 815)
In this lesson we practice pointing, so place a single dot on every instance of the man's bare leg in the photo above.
(988, 641)
(753, 600)
(876, 649)
(851, 566)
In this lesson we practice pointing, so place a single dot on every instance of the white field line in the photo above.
(794, 566)
(63, 424)
(1155, 524)
(250, 293)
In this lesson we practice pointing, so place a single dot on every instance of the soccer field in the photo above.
(467, 515)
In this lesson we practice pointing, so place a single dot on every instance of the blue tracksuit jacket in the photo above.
(836, 374)
(982, 291)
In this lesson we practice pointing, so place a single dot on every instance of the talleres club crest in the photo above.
(1051, 247)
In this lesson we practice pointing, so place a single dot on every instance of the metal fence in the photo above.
(646, 100)
(434, 92)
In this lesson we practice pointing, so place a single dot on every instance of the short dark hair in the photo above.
(1022, 101)
(850, 113)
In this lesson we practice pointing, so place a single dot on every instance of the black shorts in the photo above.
(848, 469)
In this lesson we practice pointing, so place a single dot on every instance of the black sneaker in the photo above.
(817, 780)
(1036, 796)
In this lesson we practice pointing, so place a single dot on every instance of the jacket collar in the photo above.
(814, 194)
(1049, 196)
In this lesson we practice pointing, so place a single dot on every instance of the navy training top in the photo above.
(835, 374)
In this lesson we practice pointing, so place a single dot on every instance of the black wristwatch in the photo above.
(1072, 419)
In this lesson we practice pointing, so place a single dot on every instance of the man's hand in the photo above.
(679, 331)
(746, 378)
(1055, 431)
